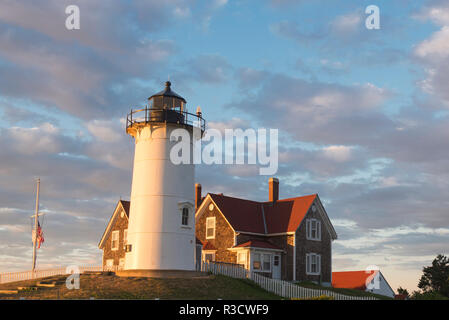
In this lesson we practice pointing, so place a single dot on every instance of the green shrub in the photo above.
(428, 296)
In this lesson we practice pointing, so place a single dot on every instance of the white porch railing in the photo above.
(279, 287)
(38, 274)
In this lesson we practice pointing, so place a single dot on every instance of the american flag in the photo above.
(40, 235)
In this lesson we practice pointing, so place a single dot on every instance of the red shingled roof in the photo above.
(247, 216)
(351, 279)
(243, 215)
(257, 244)
(125, 205)
(208, 246)
(286, 214)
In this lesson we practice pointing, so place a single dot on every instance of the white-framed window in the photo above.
(256, 262)
(185, 216)
(210, 228)
(266, 265)
(313, 229)
(241, 258)
(313, 264)
(262, 262)
(110, 263)
(115, 239)
(186, 210)
(208, 256)
(125, 238)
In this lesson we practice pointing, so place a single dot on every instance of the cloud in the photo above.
(347, 24)
(318, 112)
(104, 131)
(204, 69)
(437, 47)
(296, 32)
(433, 54)
(436, 11)
(80, 72)
(82, 177)
(338, 153)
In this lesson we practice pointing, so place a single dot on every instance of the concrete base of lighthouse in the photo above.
(177, 274)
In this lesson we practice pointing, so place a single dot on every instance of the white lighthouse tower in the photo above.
(161, 228)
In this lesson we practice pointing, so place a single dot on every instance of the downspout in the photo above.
(264, 222)
(294, 257)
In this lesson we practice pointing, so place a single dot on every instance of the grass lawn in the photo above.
(110, 286)
(348, 292)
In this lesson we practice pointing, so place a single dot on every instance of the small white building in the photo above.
(366, 280)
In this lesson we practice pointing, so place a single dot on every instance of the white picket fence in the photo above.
(279, 287)
(38, 274)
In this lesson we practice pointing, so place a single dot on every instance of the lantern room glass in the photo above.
(166, 103)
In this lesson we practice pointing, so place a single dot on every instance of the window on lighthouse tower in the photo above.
(185, 216)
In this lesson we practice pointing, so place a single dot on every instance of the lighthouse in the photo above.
(161, 227)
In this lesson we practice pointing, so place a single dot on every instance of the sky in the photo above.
(362, 116)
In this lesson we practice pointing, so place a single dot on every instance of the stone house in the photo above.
(113, 241)
(289, 239)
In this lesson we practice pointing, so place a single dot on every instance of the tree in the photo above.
(435, 278)
(403, 291)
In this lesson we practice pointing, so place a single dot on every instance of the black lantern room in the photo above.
(165, 107)
(167, 99)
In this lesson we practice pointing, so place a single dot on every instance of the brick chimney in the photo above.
(273, 189)
(197, 195)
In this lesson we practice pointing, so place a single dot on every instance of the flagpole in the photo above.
(35, 225)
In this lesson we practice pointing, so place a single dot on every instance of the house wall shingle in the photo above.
(224, 235)
(286, 243)
(120, 223)
(304, 246)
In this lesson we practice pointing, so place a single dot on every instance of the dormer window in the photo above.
(185, 217)
(313, 229)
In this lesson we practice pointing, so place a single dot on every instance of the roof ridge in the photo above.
(366, 271)
(292, 198)
(262, 202)
(222, 195)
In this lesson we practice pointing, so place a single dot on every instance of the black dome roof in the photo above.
(167, 92)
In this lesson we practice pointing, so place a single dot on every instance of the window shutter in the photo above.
(319, 229)
(308, 228)
(307, 263)
(318, 263)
